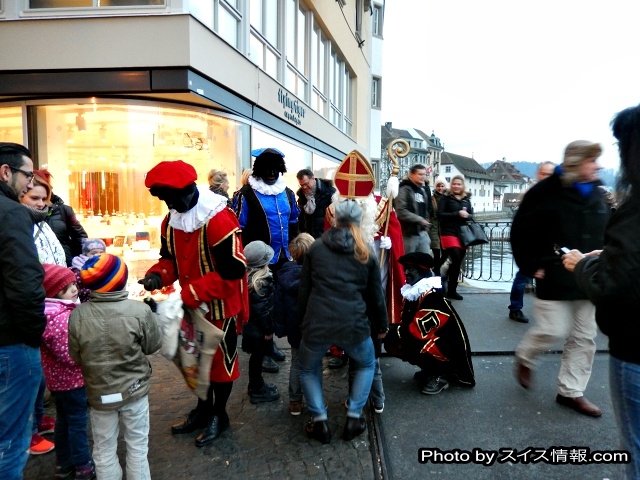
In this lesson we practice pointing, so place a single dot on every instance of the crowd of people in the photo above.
(332, 267)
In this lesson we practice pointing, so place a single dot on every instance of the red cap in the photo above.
(354, 177)
(175, 174)
(56, 278)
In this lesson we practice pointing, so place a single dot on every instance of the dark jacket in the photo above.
(261, 306)
(610, 281)
(450, 219)
(552, 214)
(286, 304)
(340, 300)
(67, 228)
(411, 201)
(22, 295)
(313, 223)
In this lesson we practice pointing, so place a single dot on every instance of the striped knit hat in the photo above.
(104, 273)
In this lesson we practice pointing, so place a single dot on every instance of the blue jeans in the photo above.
(72, 419)
(624, 379)
(517, 291)
(38, 409)
(310, 361)
(377, 388)
(417, 243)
(20, 375)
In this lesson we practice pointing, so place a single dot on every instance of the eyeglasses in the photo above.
(29, 175)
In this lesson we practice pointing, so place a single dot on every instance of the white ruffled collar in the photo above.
(208, 205)
(263, 188)
(414, 292)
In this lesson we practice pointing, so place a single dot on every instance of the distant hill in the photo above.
(608, 175)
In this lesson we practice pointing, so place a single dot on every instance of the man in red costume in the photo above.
(202, 249)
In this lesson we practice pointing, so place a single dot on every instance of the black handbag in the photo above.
(472, 234)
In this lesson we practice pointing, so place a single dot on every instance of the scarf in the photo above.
(37, 215)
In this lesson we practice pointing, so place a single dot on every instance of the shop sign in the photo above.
(293, 109)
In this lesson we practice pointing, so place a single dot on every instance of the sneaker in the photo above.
(64, 472)
(40, 445)
(86, 471)
(518, 316)
(378, 408)
(435, 385)
(295, 408)
(47, 425)
(269, 366)
(338, 362)
(263, 395)
(277, 354)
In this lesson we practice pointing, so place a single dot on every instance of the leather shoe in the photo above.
(353, 428)
(580, 405)
(214, 429)
(194, 421)
(523, 374)
(518, 316)
(319, 430)
(269, 366)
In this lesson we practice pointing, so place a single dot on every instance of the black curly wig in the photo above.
(268, 161)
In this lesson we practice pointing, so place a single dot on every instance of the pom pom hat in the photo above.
(56, 278)
(104, 273)
(175, 174)
(93, 244)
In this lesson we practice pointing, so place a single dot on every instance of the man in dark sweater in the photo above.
(22, 319)
(414, 208)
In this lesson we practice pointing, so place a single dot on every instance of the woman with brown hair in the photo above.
(38, 202)
(453, 211)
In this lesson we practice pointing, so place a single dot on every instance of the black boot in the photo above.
(274, 352)
(353, 428)
(451, 291)
(196, 420)
(214, 429)
(319, 430)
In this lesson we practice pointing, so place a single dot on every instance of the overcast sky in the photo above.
(508, 78)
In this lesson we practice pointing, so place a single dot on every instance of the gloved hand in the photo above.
(153, 305)
(385, 242)
(152, 281)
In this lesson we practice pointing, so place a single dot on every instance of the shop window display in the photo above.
(99, 154)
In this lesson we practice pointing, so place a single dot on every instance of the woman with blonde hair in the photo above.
(454, 210)
(219, 183)
(340, 302)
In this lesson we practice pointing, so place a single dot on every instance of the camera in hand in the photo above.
(560, 250)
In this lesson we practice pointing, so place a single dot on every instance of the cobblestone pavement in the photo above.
(263, 441)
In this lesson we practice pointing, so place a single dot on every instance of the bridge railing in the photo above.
(493, 261)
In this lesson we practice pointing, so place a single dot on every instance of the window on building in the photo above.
(376, 101)
(319, 55)
(229, 20)
(340, 94)
(447, 169)
(296, 75)
(377, 20)
(263, 38)
(93, 3)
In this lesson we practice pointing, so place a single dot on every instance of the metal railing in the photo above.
(493, 261)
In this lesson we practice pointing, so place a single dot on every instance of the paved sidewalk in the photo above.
(265, 441)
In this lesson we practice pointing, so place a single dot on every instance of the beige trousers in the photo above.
(571, 320)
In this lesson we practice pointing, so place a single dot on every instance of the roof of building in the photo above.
(467, 166)
(505, 172)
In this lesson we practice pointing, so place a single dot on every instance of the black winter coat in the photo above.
(450, 219)
(286, 304)
(22, 295)
(552, 214)
(410, 200)
(611, 282)
(313, 224)
(261, 306)
(340, 300)
(67, 228)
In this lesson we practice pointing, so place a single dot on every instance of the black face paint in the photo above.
(178, 199)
